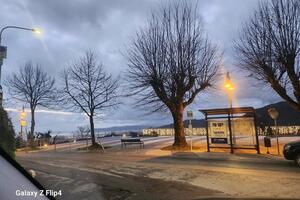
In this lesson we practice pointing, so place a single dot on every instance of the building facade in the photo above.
(240, 126)
(170, 131)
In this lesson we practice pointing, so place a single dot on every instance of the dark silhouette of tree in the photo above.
(269, 46)
(33, 86)
(89, 89)
(46, 135)
(171, 61)
(7, 134)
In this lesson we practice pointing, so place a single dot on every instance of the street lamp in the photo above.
(274, 114)
(190, 116)
(22, 119)
(3, 50)
(229, 87)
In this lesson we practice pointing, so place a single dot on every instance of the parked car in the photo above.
(291, 151)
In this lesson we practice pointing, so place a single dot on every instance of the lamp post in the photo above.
(229, 88)
(3, 51)
(190, 116)
(274, 114)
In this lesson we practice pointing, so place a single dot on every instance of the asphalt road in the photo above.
(89, 184)
(153, 174)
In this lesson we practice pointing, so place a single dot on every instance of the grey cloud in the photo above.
(72, 26)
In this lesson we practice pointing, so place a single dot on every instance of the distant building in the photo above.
(170, 131)
(287, 130)
(240, 126)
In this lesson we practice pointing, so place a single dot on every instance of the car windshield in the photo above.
(143, 99)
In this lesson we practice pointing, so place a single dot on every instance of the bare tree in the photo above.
(269, 46)
(89, 89)
(82, 131)
(171, 61)
(33, 86)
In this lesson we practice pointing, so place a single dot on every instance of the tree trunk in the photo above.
(179, 137)
(32, 127)
(92, 130)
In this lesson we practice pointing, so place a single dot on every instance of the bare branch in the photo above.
(170, 62)
(88, 88)
(33, 86)
(269, 47)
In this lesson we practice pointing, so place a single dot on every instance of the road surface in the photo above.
(150, 173)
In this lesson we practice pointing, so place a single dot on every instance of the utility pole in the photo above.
(3, 50)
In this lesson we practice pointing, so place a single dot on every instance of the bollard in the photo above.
(267, 143)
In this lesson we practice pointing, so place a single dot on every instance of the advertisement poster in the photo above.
(218, 132)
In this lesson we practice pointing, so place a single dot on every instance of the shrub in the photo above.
(7, 133)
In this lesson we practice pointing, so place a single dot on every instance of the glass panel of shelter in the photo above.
(243, 130)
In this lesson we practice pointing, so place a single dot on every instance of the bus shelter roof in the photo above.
(228, 111)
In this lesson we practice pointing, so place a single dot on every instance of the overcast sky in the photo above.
(71, 27)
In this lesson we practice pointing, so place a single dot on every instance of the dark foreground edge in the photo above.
(24, 172)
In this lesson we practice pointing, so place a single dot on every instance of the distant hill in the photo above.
(287, 117)
(197, 123)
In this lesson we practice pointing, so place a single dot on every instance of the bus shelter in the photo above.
(233, 128)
